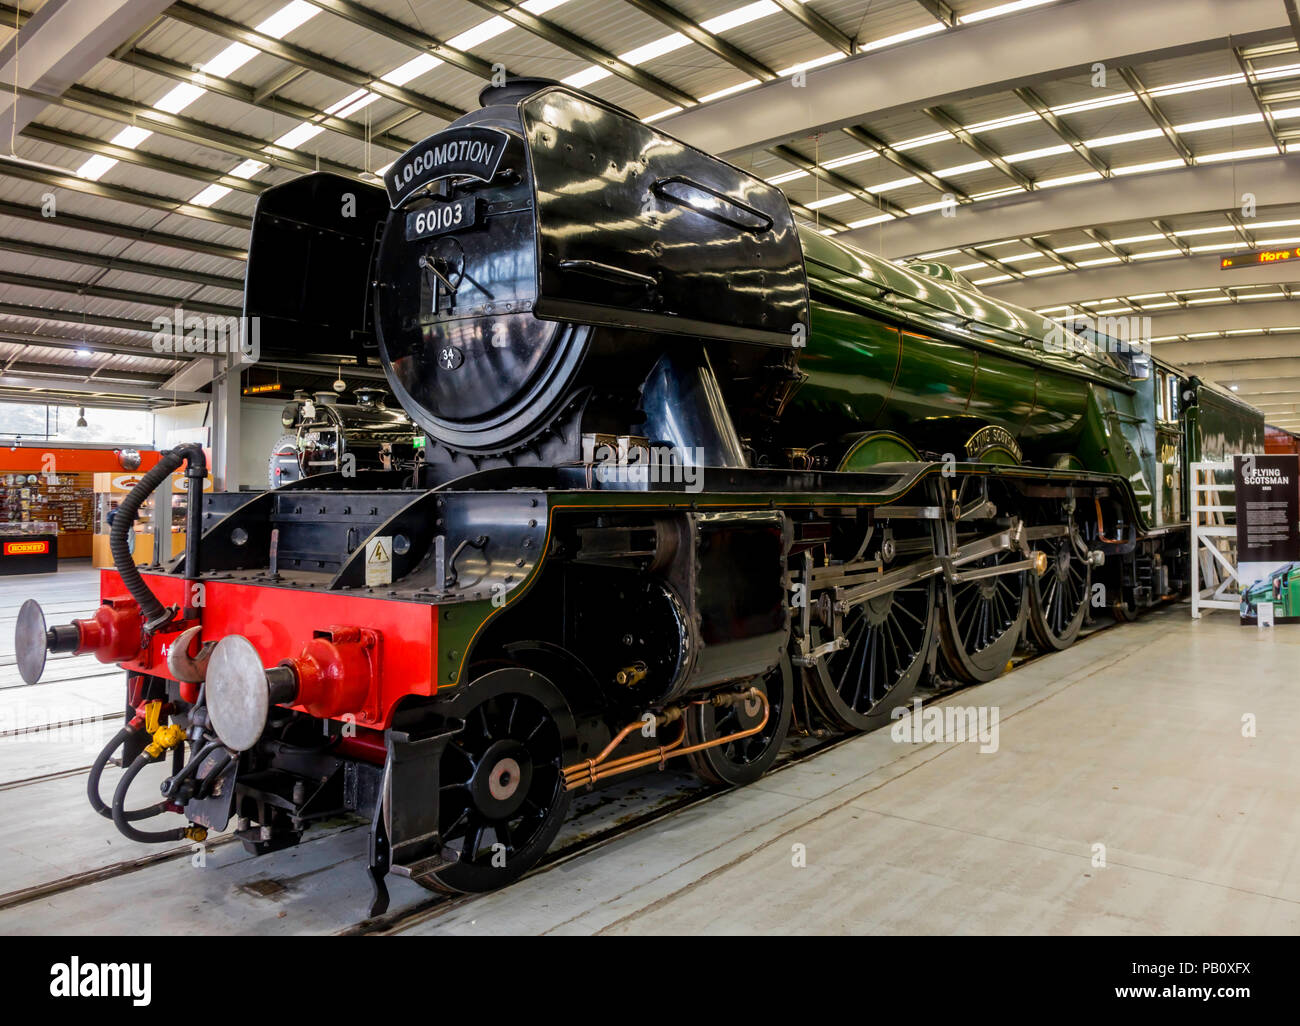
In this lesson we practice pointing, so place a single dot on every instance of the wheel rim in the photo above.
(887, 641)
(501, 795)
(744, 760)
(984, 620)
(1059, 596)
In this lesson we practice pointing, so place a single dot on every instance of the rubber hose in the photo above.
(119, 812)
(123, 520)
(97, 770)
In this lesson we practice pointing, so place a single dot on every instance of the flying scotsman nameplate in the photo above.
(471, 152)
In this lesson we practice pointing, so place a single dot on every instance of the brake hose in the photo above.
(97, 770)
(121, 818)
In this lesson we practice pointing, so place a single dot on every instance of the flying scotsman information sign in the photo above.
(1268, 537)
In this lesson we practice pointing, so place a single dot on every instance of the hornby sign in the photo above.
(26, 548)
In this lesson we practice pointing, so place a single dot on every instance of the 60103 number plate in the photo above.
(441, 217)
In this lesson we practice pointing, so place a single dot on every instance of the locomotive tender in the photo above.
(687, 465)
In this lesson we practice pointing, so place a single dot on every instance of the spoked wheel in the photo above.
(983, 620)
(745, 760)
(1058, 599)
(887, 642)
(501, 779)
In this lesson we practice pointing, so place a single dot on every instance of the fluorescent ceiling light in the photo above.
(997, 12)
(179, 98)
(249, 168)
(229, 60)
(740, 16)
(903, 37)
(288, 18)
(729, 90)
(295, 137)
(655, 48)
(412, 69)
(867, 222)
(585, 77)
(209, 195)
(829, 201)
(95, 167)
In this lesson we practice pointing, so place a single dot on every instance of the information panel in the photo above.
(1268, 537)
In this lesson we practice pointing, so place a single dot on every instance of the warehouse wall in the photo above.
(259, 428)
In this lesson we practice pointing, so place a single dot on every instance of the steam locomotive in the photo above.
(686, 463)
(330, 437)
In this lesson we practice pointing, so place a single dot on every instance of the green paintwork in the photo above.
(878, 447)
(1225, 426)
(919, 352)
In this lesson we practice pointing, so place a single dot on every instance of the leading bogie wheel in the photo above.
(501, 788)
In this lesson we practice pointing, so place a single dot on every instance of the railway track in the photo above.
(804, 748)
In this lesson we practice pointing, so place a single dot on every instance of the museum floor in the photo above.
(1144, 781)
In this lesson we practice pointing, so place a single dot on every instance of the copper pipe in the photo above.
(591, 770)
(587, 773)
(1101, 528)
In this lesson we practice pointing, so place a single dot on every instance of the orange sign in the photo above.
(1258, 257)
(26, 548)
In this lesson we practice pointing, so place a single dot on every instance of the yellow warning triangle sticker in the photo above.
(379, 555)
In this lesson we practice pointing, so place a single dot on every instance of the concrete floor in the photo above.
(1132, 740)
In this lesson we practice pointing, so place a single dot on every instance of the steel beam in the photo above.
(121, 231)
(382, 25)
(263, 97)
(1205, 351)
(793, 156)
(41, 313)
(107, 348)
(1134, 279)
(58, 45)
(142, 158)
(973, 60)
(11, 168)
(579, 47)
(237, 33)
(973, 142)
(40, 383)
(1262, 315)
(906, 163)
(30, 281)
(127, 112)
(112, 263)
(65, 372)
(818, 25)
(716, 45)
(1169, 194)
(1157, 115)
(1063, 131)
